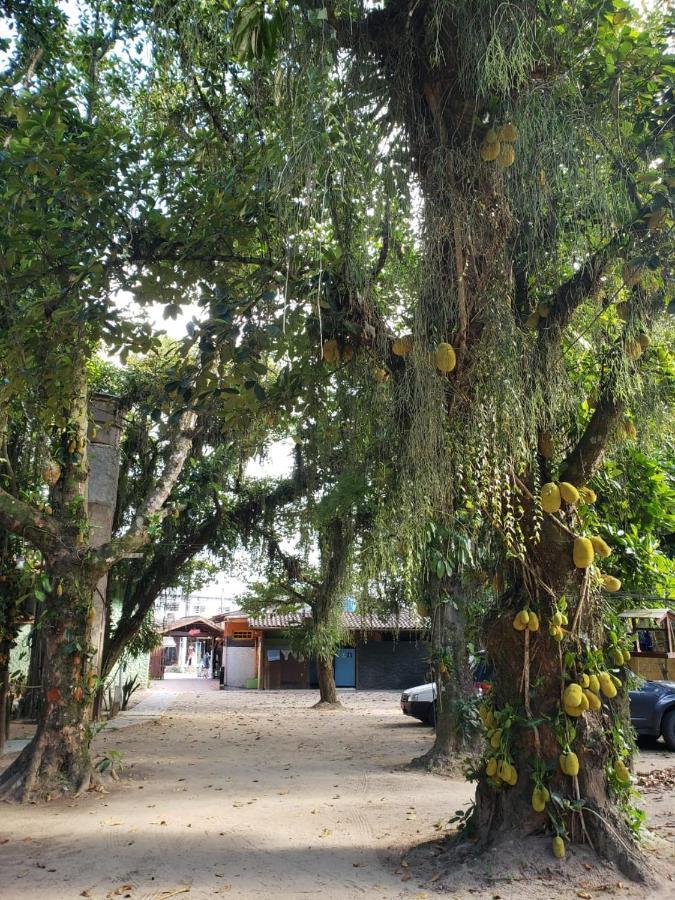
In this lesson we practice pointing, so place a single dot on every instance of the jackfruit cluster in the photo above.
(498, 145)
(552, 495)
(526, 620)
(334, 352)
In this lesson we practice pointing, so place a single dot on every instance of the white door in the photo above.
(239, 665)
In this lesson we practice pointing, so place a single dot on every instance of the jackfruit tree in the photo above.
(78, 227)
(539, 139)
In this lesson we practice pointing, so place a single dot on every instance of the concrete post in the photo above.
(104, 465)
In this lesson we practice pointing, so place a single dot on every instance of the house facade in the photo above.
(380, 653)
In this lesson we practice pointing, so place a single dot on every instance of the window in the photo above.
(242, 635)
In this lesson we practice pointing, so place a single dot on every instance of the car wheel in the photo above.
(668, 729)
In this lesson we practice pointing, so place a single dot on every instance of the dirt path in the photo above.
(248, 795)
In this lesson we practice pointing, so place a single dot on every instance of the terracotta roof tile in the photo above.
(404, 620)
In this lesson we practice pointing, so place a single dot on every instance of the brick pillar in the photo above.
(104, 465)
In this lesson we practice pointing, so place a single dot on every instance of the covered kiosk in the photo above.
(653, 653)
(186, 641)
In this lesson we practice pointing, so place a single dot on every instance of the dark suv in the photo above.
(652, 710)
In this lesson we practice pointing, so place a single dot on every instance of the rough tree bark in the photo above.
(4, 693)
(327, 690)
(530, 678)
(58, 759)
(429, 100)
(452, 675)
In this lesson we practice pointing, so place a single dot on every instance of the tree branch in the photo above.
(586, 281)
(583, 460)
(138, 535)
(158, 575)
(24, 520)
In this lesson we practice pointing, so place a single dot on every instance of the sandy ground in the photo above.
(251, 795)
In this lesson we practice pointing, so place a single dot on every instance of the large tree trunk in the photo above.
(452, 674)
(57, 760)
(327, 690)
(532, 671)
(4, 693)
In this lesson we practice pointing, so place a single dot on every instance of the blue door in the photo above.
(345, 667)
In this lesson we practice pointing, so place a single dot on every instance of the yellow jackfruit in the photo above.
(634, 349)
(608, 688)
(545, 445)
(524, 617)
(574, 711)
(491, 767)
(550, 497)
(446, 360)
(513, 776)
(572, 695)
(643, 340)
(617, 656)
(594, 684)
(491, 136)
(587, 495)
(626, 656)
(533, 622)
(508, 133)
(496, 739)
(594, 702)
(331, 351)
(558, 847)
(621, 771)
(51, 473)
(583, 706)
(507, 156)
(616, 681)
(556, 632)
(601, 547)
(568, 492)
(557, 618)
(569, 763)
(611, 584)
(583, 553)
(490, 151)
(584, 680)
(538, 802)
(402, 346)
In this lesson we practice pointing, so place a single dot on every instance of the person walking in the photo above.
(206, 664)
